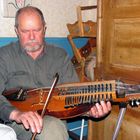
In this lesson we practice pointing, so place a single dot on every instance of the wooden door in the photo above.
(118, 57)
(119, 43)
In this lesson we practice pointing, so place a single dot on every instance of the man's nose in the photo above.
(32, 35)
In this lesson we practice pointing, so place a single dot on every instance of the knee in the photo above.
(53, 122)
(54, 128)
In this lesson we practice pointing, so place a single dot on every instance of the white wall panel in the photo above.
(57, 14)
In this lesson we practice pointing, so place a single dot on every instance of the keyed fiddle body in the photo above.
(74, 99)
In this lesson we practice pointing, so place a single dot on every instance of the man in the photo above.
(31, 63)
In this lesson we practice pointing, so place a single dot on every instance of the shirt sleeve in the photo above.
(5, 106)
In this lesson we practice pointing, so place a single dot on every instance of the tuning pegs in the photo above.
(134, 103)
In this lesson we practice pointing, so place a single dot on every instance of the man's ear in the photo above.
(45, 27)
(16, 30)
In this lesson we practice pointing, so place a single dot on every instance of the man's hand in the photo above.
(100, 110)
(30, 120)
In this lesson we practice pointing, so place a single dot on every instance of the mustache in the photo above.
(32, 41)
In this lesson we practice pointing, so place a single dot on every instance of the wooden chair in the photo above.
(81, 29)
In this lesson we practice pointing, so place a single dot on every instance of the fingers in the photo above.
(40, 125)
(100, 110)
(30, 120)
(33, 121)
(94, 112)
(106, 107)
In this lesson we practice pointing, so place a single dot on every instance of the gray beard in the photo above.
(33, 49)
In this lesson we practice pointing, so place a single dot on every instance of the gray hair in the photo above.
(27, 8)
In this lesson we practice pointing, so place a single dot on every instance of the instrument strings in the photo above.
(128, 87)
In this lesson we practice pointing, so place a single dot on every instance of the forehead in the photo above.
(29, 18)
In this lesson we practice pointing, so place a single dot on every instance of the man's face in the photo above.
(31, 31)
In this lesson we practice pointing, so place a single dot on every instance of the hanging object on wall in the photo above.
(11, 6)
